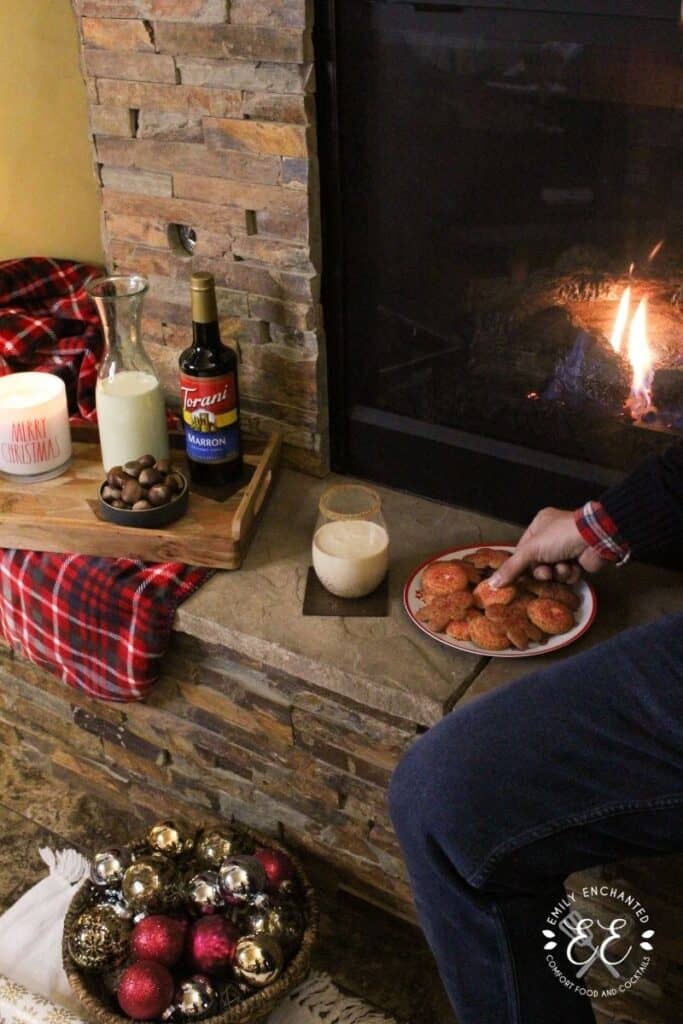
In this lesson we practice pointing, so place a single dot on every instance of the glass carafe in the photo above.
(350, 541)
(131, 413)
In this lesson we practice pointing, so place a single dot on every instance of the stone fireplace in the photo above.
(499, 185)
(202, 118)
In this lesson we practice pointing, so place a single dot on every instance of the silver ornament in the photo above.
(113, 898)
(147, 883)
(213, 846)
(203, 892)
(279, 918)
(196, 997)
(258, 960)
(241, 878)
(108, 867)
(167, 838)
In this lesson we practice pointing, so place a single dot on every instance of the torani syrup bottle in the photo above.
(210, 396)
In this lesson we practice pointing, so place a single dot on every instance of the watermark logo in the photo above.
(602, 927)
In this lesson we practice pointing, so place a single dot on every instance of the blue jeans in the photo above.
(572, 766)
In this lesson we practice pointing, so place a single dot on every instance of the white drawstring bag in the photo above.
(31, 930)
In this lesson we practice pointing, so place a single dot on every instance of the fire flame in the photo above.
(621, 320)
(639, 353)
(640, 358)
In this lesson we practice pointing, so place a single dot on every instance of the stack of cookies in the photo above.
(459, 601)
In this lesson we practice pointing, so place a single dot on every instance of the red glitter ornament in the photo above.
(159, 938)
(145, 990)
(278, 867)
(211, 944)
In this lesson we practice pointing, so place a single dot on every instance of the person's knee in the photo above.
(433, 793)
(405, 784)
(445, 792)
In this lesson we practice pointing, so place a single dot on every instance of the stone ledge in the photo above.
(382, 664)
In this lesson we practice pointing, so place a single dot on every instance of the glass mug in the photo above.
(350, 541)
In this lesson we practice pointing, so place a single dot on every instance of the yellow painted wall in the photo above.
(48, 195)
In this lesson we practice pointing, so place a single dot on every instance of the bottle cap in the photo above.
(202, 282)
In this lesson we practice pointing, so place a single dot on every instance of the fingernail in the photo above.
(494, 581)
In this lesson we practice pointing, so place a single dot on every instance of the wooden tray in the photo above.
(62, 515)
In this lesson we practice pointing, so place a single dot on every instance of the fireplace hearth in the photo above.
(502, 211)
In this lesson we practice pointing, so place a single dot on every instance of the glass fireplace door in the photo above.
(510, 198)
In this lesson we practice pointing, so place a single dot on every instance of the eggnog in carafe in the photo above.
(131, 417)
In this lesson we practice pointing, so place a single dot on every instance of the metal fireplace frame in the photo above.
(502, 479)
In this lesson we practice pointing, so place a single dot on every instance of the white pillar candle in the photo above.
(35, 439)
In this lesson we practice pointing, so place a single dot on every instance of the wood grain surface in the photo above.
(62, 515)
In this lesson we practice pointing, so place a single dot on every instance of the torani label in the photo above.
(210, 417)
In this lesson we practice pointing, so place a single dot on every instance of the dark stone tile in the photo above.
(20, 863)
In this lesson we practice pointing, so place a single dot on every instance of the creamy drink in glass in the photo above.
(351, 543)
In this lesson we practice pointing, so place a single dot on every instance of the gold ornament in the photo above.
(258, 960)
(147, 883)
(213, 846)
(99, 939)
(165, 837)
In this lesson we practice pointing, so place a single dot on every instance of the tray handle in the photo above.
(257, 489)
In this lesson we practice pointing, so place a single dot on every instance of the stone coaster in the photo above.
(318, 601)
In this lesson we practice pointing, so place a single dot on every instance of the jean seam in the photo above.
(532, 835)
(508, 963)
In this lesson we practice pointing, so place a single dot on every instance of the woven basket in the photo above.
(254, 1007)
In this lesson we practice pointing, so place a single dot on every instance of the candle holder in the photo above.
(35, 438)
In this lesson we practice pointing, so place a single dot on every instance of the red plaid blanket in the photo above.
(101, 624)
(48, 324)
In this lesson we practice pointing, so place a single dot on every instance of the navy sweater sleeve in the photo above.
(647, 507)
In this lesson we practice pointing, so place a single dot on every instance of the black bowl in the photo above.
(162, 515)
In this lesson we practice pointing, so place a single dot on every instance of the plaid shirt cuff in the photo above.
(600, 532)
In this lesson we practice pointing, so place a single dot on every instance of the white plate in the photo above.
(584, 614)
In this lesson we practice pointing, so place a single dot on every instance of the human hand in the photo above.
(552, 548)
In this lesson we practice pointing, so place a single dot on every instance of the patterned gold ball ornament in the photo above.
(148, 884)
(167, 838)
(99, 939)
(213, 846)
(258, 960)
(280, 918)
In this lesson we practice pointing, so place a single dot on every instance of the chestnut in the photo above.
(150, 476)
(141, 505)
(164, 465)
(146, 461)
(118, 504)
(131, 492)
(132, 468)
(115, 476)
(159, 494)
(176, 482)
(111, 493)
